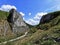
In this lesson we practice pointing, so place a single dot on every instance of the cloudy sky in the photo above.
(31, 10)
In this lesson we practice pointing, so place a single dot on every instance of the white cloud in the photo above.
(35, 20)
(22, 13)
(29, 13)
(53, 8)
(32, 22)
(23, 18)
(55, 5)
(7, 7)
(39, 14)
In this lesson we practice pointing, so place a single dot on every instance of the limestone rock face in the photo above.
(16, 22)
(4, 27)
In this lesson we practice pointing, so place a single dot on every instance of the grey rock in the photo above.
(16, 22)
(4, 27)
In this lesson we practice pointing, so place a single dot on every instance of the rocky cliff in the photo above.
(12, 21)
(16, 22)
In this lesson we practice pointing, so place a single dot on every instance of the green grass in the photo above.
(3, 15)
(39, 32)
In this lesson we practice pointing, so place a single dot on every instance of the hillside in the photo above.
(5, 30)
(47, 32)
(3, 15)
(11, 25)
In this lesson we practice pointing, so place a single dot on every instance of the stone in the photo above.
(16, 22)
(4, 27)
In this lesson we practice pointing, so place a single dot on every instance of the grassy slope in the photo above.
(50, 29)
(38, 34)
(3, 15)
(3, 21)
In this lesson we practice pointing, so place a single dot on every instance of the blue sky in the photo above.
(32, 10)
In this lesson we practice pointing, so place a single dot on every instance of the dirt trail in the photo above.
(15, 39)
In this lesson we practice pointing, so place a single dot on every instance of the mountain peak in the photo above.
(16, 21)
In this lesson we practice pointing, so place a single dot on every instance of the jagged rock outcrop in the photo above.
(4, 27)
(16, 22)
(48, 17)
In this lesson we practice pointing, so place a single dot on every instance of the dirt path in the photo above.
(15, 38)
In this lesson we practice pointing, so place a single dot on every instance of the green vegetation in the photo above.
(9, 43)
(47, 33)
(3, 15)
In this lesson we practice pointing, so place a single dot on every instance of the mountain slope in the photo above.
(11, 25)
(3, 15)
(47, 33)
